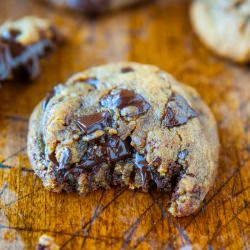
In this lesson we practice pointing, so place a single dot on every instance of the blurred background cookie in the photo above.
(93, 6)
(224, 26)
(22, 43)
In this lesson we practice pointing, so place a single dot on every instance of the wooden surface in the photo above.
(117, 219)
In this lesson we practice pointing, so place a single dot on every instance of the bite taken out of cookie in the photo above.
(128, 125)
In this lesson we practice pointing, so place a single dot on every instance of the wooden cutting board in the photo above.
(118, 219)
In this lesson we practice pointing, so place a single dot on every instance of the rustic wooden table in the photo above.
(117, 219)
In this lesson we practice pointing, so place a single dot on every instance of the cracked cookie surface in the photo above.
(128, 125)
(224, 26)
(22, 43)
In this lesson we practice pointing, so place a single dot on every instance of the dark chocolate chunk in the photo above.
(117, 149)
(15, 48)
(157, 162)
(149, 174)
(8, 38)
(97, 121)
(177, 112)
(127, 69)
(93, 81)
(65, 158)
(110, 150)
(124, 98)
(52, 157)
(176, 172)
(49, 95)
(143, 167)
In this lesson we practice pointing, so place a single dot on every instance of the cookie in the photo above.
(22, 43)
(128, 125)
(224, 27)
(92, 7)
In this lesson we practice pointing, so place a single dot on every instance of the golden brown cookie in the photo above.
(224, 26)
(128, 125)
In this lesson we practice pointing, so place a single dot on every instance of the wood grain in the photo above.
(117, 219)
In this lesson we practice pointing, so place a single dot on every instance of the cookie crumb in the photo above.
(46, 242)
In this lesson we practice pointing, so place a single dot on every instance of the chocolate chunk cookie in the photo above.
(22, 43)
(224, 26)
(128, 125)
(93, 6)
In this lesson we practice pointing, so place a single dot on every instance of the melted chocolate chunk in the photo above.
(176, 171)
(117, 149)
(149, 174)
(177, 112)
(143, 167)
(65, 158)
(52, 157)
(49, 95)
(125, 98)
(127, 70)
(8, 38)
(110, 150)
(93, 81)
(97, 121)
(157, 162)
